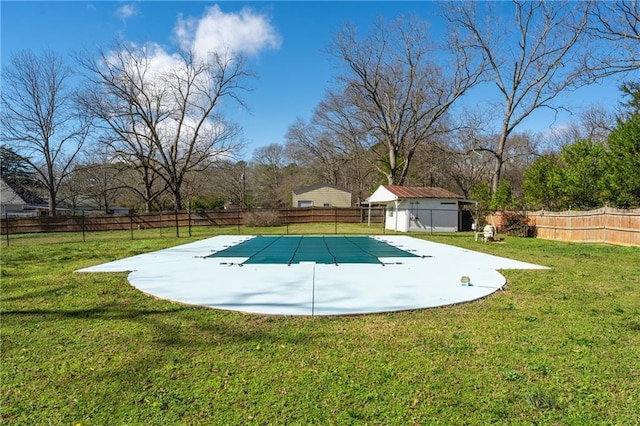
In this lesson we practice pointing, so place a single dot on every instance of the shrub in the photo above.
(262, 218)
(517, 224)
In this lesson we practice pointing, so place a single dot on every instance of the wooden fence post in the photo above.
(605, 223)
(189, 218)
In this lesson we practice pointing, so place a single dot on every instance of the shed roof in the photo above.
(420, 192)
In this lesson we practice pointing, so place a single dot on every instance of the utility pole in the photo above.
(243, 202)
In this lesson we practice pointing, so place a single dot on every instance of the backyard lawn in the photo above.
(558, 346)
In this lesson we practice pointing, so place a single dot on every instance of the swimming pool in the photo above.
(315, 275)
(287, 250)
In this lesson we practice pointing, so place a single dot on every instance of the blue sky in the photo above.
(293, 71)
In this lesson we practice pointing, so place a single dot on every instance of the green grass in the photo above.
(560, 346)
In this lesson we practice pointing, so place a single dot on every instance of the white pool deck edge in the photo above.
(184, 274)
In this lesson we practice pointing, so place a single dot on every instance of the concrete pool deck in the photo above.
(186, 274)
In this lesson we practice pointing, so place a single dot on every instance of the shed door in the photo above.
(466, 220)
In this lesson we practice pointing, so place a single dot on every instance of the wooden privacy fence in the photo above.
(220, 218)
(605, 225)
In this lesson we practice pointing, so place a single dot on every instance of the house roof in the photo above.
(420, 192)
(303, 189)
(27, 195)
(395, 192)
(8, 195)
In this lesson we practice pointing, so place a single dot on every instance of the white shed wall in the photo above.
(439, 215)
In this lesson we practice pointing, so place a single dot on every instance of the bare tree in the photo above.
(594, 123)
(533, 57)
(132, 152)
(398, 86)
(230, 180)
(356, 157)
(97, 181)
(331, 148)
(468, 170)
(615, 25)
(163, 111)
(40, 118)
(313, 148)
(268, 169)
(597, 123)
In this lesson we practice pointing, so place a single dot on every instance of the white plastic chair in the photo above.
(488, 233)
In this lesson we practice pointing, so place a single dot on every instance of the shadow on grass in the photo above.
(108, 311)
(35, 294)
(174, 325)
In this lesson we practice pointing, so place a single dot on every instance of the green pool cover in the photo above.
(320, 249)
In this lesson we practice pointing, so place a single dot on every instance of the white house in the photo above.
(410, 208)
(10, 201)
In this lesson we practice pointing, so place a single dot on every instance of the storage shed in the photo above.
(321, 195)
(411, 208)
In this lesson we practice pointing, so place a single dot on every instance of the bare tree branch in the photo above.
(397, 88)
(40, 119)
(533, 59)
(163, 112)
(615, 27)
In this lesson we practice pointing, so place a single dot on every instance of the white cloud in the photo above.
(244, 32)
(126, 11)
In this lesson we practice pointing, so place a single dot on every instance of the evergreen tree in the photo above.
(622, 182)
(584, 169)
(543, 182)
(19, 174)
(13, 166)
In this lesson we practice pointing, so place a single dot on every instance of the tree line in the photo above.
(138, 127)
